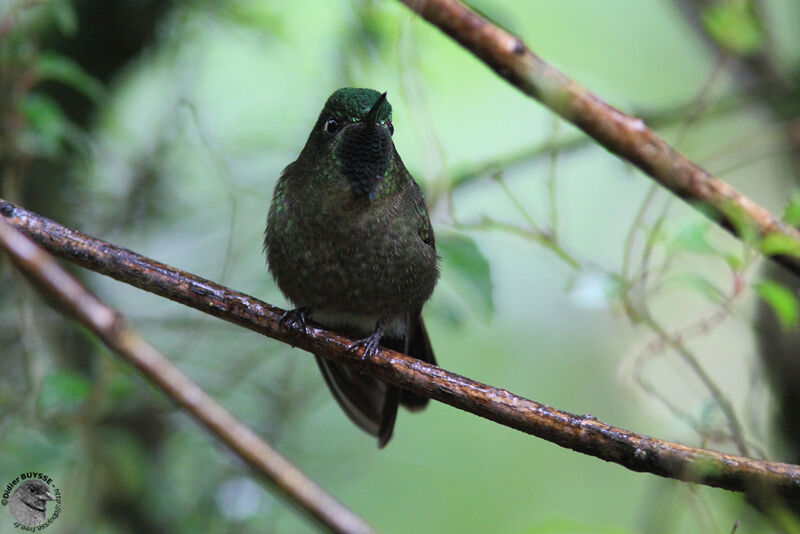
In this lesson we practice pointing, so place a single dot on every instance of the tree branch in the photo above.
(582, 433)
(78, 303)
(621, 134)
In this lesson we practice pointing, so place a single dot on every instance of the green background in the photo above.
(179, 165)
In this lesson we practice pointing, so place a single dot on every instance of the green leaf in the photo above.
(734, 262)
(693, 238)
(61, 69)
(65, 17)
(63, 392)
(465, 266)
(782, 301)
(127, 463)
(120, 387)
(791, 214)
(780, 244)
(46, 125)
(734, 25)
(743, 226)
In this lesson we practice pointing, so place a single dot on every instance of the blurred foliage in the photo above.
(566, 277)
(782, 301)
(735, 25)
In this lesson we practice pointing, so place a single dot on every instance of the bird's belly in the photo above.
(370, 275)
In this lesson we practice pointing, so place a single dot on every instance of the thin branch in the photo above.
(626, 136)
(582, 433)
(545, 239)
(54, 281)
(737, 432)
(517, 158)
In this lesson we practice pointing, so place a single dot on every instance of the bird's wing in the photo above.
(424, 227)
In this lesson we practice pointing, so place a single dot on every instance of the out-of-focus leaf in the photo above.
(64, 15)
(782, 301)
(61, 69)
(693, 238)
(743, 226)
(465, 265)
(734, 25)
(120, 387)
(447, 308)
(63, 392)
(734, 261)
(791, 214)
(47, 126)
(775, 244)
(699, 285)
(258, 16)
(127, 462)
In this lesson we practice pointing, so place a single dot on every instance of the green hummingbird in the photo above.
(350, 244)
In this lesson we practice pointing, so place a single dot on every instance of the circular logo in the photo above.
(27, 497)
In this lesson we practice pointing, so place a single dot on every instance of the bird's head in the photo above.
(354, 131)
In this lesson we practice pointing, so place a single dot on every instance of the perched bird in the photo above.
(28, 503)
(350, 244)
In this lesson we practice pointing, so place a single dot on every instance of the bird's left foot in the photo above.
(369, 343)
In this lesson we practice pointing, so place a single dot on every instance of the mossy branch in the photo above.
(626, 136)
(114, 330)
(582, 433)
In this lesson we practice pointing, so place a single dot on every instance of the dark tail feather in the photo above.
(360, 396)
(371, 403)
(389, 415)
(419, 346)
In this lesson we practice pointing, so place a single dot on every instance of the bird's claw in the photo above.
(295, 317)
(369, 343)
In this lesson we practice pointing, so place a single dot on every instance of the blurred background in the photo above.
(568, 277)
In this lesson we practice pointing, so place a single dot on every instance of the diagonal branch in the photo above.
(582, 433)
(621, 134)
(78, 303)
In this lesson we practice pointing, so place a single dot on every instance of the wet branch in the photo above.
(621, 134)
(582, 433)
(78, 303)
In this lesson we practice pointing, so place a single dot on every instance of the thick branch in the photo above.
(584, 433)
(626, 136)
(78, 303)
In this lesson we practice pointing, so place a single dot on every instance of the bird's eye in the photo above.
(391, 127)
(32, 489)
(331, 126)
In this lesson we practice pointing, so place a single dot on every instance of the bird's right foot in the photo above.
(296, 317)
(370, 344)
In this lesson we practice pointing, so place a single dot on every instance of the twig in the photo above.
(50, 278)
(582, 433)
(626, 136)
(543, 238)
(517, 158)
(718, 395)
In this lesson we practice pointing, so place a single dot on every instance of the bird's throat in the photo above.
(363, 155)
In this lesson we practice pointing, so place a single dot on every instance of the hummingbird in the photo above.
(349, 242)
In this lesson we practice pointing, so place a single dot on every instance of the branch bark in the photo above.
(581, 433)
(621, 134)
(112, 328)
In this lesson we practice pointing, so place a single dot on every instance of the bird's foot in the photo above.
(295, 317)
(369, 343)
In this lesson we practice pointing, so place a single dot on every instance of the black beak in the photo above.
(372, 116)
